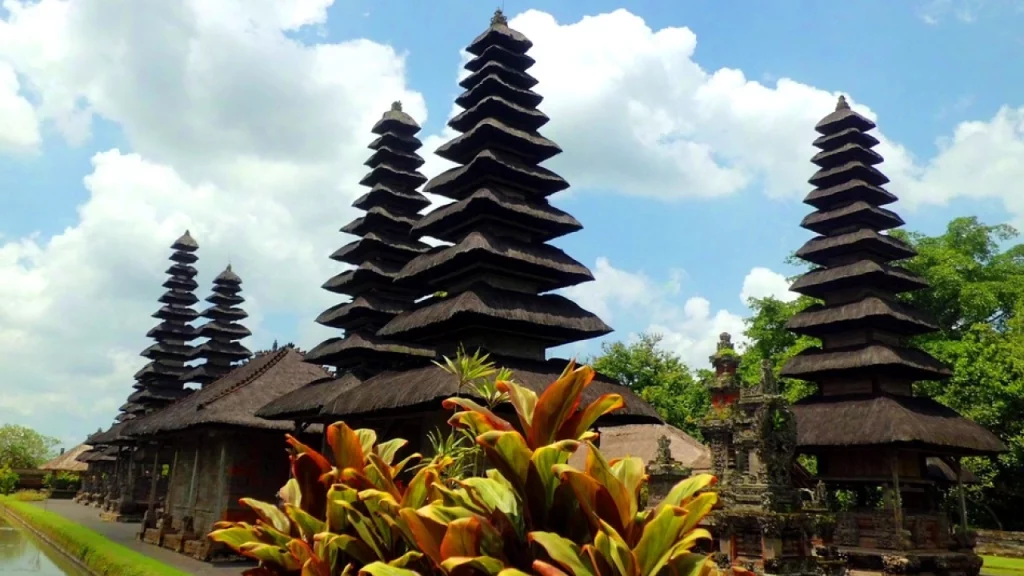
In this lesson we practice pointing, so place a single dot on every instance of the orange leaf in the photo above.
(556, 404)
(462, 538)
(427, 533)
(346, 446)
(580, 421)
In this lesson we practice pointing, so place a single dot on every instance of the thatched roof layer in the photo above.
(492, 208)
(427, 386)
(890, 421)
(549, 317)
(234, 399)
(551, 266)
(308, 401)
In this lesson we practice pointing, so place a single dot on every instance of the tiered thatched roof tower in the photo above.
(864, 424)
(223, 330)
(160, 381)
(384, 246)
(491, 288)
(498, 274)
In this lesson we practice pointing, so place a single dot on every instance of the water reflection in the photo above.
(22, 553)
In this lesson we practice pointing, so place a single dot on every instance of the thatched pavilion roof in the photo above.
(234, 399)
(68, 461)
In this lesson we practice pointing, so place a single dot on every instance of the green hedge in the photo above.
(99, 554)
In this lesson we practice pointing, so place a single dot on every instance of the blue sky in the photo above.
(83, 238)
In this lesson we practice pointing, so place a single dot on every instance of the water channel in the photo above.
(22, 553)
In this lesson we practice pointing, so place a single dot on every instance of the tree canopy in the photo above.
(22, 447)
(659, 376)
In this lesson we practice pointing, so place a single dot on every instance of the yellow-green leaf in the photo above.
(346, 446)
(382, 569)
(234, 537)
(523, 400)
(308, 524)
(556, 404)
(577, 424)
(388, 450)
(563, 551)
(270, 514)
(474, 565)
(683, 492)
(509, 453)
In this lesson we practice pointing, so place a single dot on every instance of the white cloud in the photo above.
(762, 282)
(688, 327)
(252, 140)
(19, 127)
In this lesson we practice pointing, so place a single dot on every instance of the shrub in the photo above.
(30, 496)
(62, 480)
(9, 480)
(530, 513)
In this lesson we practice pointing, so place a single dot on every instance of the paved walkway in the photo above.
(124, 534)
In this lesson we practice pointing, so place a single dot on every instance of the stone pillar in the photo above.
(663, 473)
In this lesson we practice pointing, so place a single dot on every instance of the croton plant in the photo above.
(531, 513)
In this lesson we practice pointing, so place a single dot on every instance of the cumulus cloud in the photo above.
(255, 142)
(636, 114)
(688, 327)
(762, 282)
(236, 132)
(19, 127)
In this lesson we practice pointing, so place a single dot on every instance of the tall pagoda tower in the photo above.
(159, 382)
(223, 331)
(384, 245)
(864, 424)
(494, 282)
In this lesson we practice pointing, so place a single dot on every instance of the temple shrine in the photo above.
(867, 431)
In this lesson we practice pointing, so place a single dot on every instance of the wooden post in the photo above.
(960, 489)
(170, 483)
(223, 473)
(154, 477)
(897, 499)
(192, 484)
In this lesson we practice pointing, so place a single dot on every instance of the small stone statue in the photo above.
(768, 384)
(396, 106)
(725, 341)
(820, 493)
(664, 454)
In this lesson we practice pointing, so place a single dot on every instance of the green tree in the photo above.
(660, 377)
(22, 447)
(769, 340)
(972, 281)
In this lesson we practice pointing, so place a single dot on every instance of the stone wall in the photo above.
(1000, 543)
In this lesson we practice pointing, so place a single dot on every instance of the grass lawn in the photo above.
(95, 551)
(999, 566)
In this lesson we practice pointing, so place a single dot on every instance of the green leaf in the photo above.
(563, 551)
(475, 565)
(523, 400)
(388, 450)
(270, 514)
(382, 569)
(509, 453)
(683, 492)
(580, 421)
(234, 537)
(272, 555)
(308, 525)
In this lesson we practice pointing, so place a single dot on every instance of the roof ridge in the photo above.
(249, 379)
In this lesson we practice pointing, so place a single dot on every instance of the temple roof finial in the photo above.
(396, 106)
(842, 104)
(499, 18)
